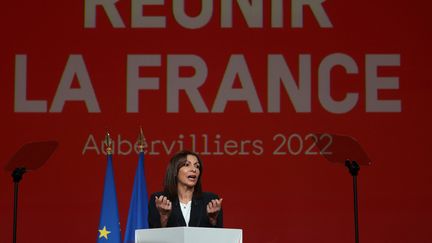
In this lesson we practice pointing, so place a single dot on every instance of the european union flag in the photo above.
(138, 209)
(109, 224)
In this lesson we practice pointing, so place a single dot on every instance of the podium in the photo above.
(188, 235)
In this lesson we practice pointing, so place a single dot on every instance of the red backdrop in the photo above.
(65, 75)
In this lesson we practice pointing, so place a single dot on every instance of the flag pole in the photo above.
(138, 209)
(109, 223)
(140, 140)
(108, 143)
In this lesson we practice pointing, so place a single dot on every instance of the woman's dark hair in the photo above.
(176, 162)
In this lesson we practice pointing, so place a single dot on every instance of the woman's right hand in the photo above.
(163, 205)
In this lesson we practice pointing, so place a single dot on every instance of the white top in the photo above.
(186, 209)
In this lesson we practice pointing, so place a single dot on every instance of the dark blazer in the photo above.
(198, 216)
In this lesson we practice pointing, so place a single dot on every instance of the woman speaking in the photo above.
(182, 202)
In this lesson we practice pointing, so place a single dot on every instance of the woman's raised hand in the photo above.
(163, 205)
(213, 209)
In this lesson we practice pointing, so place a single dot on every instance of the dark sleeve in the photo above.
(153, 213)
(219, 223)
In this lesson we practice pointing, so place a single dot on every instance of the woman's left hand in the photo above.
(213, 209)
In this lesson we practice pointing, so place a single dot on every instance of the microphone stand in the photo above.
(17, 175)
(353, 169)
(346, 149)
(29, 157)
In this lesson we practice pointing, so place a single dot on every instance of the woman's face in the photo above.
(189, 173)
